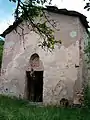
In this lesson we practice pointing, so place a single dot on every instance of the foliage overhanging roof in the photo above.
(53, 9)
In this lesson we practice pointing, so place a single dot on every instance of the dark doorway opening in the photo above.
(35, 86)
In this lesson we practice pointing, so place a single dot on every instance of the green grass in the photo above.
(13, 109)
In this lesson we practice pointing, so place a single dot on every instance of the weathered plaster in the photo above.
(61, 76)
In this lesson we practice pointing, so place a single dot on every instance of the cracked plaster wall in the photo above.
(60, 73)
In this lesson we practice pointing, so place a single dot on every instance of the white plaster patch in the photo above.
(73, 34)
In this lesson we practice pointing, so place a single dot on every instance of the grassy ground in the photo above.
(13, 109)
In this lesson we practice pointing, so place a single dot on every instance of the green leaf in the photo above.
(12, 1)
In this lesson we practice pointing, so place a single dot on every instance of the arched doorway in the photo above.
(35, 79)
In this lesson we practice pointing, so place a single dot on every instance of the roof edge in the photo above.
(53, 9)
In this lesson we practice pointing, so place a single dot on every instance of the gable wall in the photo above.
(60, 72)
